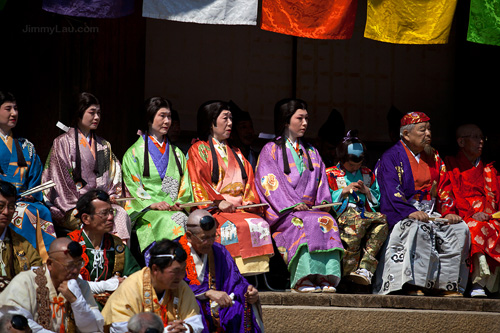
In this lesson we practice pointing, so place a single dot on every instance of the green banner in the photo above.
(484, 22)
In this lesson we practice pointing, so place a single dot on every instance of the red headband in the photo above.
(414, 118)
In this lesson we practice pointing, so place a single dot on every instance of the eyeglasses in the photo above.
(151, 330)
(105, 213)
(19, 322)
(10, 207)
(179, 255)
(71, 265)
(476, 137)
(205, 239)
(207, 222)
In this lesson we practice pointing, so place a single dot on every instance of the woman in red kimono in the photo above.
(220, 173)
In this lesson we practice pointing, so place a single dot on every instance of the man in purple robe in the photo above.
(226, 299)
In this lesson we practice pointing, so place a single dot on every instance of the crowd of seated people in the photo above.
(89, 244)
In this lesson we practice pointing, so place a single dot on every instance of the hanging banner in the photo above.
(409, 21)
(90, 8)
(484, 22)
(233, 12)
(317, 19)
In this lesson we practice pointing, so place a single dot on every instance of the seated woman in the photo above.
(221, 174)
(363, 230)
(154, 172)
(79, 161)
(291, 178)
(21, 166)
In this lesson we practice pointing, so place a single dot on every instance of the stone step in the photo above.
(381, 301)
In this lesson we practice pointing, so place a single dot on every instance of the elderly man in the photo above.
(477, 191)
(158, 288)
(16, 253)
(225, 297)
(107, 259)
(428, 245)
(52, 297)
(145, 322)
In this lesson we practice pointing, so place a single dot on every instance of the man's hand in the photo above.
(453, 218)
(64, 290)
(221, 297)
(481, 217)
(176, 326)
(252, 294)
(418, 215)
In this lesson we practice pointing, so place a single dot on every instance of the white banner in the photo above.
(233, 12)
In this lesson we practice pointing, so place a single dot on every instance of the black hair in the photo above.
(6, 96)
(166, 246)
(283, 112)
(85, 100)
(207, 116)
(342, 149)
(7, 190)
(151, 107)
(84, 204)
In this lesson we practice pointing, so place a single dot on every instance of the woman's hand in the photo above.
(301, 207)
(160, 206)
(226, 207)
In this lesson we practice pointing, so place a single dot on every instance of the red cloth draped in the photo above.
(311, 18)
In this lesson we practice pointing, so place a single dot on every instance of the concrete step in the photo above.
(292, 312)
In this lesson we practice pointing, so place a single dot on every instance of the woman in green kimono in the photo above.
(154, 172)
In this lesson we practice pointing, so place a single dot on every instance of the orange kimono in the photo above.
(246, 236)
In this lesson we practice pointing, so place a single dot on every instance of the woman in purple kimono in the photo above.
(79, 161)
(290, 177)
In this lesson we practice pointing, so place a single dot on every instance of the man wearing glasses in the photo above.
(52, 297)
(477, 191)
(16, 253)
(225, 298)
(107, 260)
(158, 288)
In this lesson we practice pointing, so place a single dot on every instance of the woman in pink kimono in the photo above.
(220, 173)
(290, 177)
(79, 161)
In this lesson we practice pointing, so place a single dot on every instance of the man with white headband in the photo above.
(158, 288)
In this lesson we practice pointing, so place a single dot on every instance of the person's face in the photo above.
(102, 220)
(8, 116)
(472, 143)
(161, 122)
(63, 267)
(246, 132)
(298, 123)
(224, 122)
(91, 118)
(170, 277)
(7, 209)
(202, 241)
(352, 166)
(419, 137)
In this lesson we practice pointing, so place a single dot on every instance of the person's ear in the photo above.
(85, 218)
(461, 142)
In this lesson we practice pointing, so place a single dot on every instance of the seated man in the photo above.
(16, 253)
(12, 322)
(145, 322)
(52, 297)
(158, 288)
(422, 250)
(477, 191)
(215, 279)
(107, 259)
